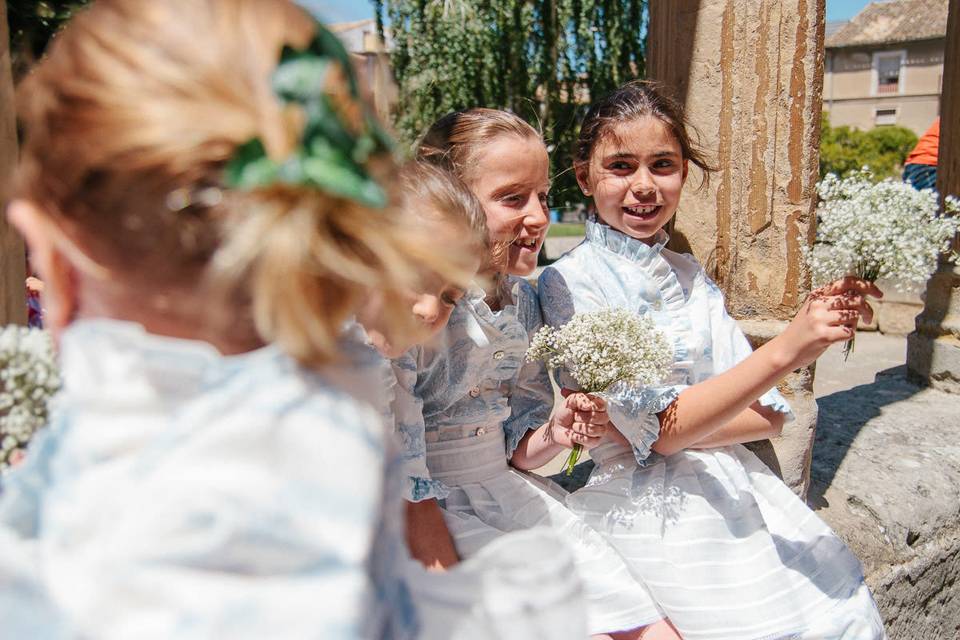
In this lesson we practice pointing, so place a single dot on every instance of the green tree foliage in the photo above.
(32, 24)
(883, 149)
(541, 59)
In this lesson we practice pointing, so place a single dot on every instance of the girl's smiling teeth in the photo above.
(527, 243)
(642, 211)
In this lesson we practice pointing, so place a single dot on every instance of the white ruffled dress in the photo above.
(463, 404)
(725, 547)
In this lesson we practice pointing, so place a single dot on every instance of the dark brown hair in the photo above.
(633, 100)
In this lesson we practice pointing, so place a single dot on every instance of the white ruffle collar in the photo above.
(647, 257)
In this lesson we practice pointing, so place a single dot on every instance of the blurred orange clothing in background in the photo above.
(926, 150)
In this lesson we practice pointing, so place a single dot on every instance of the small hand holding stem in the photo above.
(830, 314)
(580, 423)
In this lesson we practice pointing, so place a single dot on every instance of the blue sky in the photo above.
(340, 10)
(346, 10)
(844, 9)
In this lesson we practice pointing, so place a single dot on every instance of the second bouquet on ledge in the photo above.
(602, 348)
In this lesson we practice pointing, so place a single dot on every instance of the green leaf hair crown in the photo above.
(328, 156)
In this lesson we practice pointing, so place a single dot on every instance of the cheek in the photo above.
(673, 185)
(611, 187)
(500, 220)
(445, 315)
(442, 319)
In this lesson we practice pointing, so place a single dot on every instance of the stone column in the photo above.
(933, 349)
(13, 306)
(750, 73)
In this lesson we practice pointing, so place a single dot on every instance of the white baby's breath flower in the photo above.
(604, 347)
(879, 230)
(28, 379)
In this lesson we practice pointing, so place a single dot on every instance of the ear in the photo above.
(686, 169)
(582, 171)
(60, 294)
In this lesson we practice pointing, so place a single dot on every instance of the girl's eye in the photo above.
(543, 197)
(663, 164)
(619, 166)
(512, 198)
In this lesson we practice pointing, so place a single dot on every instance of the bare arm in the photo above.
(428, 538)
(754, 423)
(829, 315)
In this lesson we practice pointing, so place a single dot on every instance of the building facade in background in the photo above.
(885, 66)
(370, 57)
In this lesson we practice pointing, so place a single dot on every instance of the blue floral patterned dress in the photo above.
(517, 588)
(463, 404)
(726, 549)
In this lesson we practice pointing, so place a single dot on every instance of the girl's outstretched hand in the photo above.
(830, 314)
(582, 419)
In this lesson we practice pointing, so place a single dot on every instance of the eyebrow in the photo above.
(665, 153)
(507, 188)
(513, 186)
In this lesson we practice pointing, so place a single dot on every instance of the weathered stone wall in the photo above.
(750, 73)
(886, 479)
(12, 301)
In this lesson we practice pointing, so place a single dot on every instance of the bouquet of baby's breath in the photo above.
(28, 379)
(601, 348)
(876, 230)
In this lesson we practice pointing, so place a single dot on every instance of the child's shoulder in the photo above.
(341, 403)
(521, 288)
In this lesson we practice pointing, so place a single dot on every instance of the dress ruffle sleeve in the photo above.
(633, 410)
(410, 430)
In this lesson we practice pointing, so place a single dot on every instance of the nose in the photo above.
(535, 214)
(427, 308)
(643, 186)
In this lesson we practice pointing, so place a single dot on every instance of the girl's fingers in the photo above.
(596, 402)
(848, 317)
(588, 429)
(851, 283)
(591, 417)
(838, 333)
(847, 300)
(585, 402)
(587, 442)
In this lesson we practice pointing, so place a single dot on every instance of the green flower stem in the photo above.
(573, 458)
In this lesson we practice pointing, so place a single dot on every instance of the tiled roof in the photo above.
(893, 21)
(833, 26)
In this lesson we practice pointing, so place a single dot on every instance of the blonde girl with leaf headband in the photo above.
(207, 200)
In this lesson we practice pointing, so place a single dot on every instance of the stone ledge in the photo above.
(886, 478)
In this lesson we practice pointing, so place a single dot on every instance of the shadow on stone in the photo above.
(841, 417)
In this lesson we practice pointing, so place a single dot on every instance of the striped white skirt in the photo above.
(727, 550)
(518, 587)
(489, 499)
